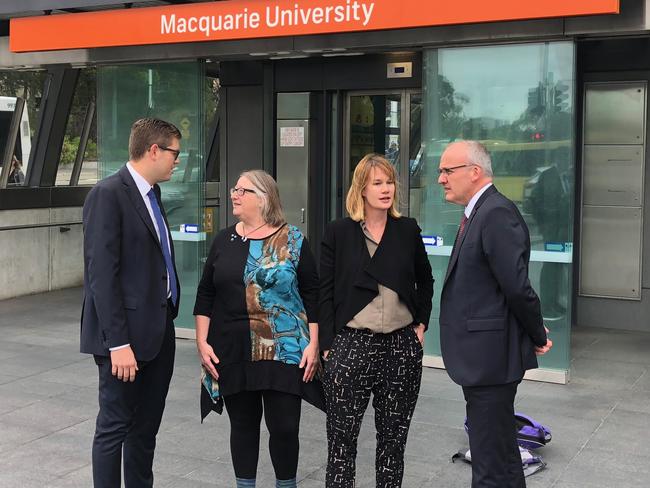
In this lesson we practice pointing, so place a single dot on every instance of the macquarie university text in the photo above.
(353, 11)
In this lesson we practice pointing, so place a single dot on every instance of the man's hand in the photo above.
(124, 364)
(540, 351)
(208, 358)
(310, 361)
(419, 330)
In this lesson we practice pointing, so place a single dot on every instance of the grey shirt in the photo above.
(386, 313)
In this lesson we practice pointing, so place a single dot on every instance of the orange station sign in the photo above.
(247, 19)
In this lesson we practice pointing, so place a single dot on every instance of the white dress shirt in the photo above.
(474, 199)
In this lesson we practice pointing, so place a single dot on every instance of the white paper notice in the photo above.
(292, 137)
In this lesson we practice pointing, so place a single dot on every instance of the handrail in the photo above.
(38, 226)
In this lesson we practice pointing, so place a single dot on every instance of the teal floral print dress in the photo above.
(260, 295)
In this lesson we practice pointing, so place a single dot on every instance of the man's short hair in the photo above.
(148, 131)
(478, 154)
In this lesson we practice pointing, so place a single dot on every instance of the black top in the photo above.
(490, 317)
(260, 295)
(349, 276)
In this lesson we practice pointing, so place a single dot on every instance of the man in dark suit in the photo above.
(130, 300)
(490, 321)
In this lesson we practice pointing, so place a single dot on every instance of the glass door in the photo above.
(527, 124)
(386, 123)
(172, 92)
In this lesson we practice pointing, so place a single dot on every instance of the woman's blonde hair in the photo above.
(354, 203)
(267, 190)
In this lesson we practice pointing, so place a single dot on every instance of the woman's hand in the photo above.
(419, 331)
(310, 361)
(208, 358)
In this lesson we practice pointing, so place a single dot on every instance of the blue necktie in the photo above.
(164, 244)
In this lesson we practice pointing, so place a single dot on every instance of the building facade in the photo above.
(557, 92)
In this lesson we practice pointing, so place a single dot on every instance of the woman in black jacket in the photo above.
(375, 302)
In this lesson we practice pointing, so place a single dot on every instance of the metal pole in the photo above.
(83, 142)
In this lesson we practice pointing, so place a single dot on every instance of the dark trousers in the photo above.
(388, 366)
(496, 462)
(129, 418)
(282, 416)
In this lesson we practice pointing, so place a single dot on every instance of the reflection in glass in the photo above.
(28, 86)
(518, 101)
(211, 86)
(416, 149)
(83, 105)
(375, 122)
(415, 133)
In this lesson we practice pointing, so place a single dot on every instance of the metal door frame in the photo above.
(405, 126)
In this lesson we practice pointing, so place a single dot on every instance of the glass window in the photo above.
(415, 137)
(81, 129)
(211, 88)
(17, 87)
(172, 92)
(519, 101)
(375, 123)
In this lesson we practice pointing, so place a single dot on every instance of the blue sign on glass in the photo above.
(432, 241)
(190, 228)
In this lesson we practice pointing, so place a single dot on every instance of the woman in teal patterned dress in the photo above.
(256, 329)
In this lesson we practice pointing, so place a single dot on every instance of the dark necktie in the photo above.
(164, 243)
(463, 221)
(459, 234)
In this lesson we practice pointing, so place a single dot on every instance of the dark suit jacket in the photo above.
(349, 276)
(490, 316)
(125, 277)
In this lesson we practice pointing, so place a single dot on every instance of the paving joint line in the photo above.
(584, 444)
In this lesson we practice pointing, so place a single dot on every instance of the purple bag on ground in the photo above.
(530, 433)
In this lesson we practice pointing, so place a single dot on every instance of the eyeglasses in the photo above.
(241, 191)
(448, 171)
(175, 152)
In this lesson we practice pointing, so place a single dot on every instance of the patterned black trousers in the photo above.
(390, 367)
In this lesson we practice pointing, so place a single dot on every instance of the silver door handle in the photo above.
(302, 215)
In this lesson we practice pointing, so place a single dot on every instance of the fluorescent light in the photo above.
(298, 56)
(333, 55)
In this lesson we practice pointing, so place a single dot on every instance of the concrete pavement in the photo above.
(48, 404)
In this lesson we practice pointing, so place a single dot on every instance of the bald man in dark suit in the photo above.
(491, 324)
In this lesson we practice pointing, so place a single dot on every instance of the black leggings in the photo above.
(282, 416)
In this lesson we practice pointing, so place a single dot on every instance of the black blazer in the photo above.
(125, 277)
(490, 315)
(349, 276)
